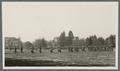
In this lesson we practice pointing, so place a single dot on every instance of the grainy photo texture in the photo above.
(60, 34)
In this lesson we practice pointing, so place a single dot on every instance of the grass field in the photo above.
(65, 58)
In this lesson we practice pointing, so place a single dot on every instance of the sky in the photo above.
(33, 20)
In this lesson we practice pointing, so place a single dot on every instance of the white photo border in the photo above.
(62, 67)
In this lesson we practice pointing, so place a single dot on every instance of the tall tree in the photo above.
(110, 41)
(91, 42)
(21, 47)
(62, 39)
(88, 41)
(94, 40)
(29, 45)
(70, 37)
(101, 41)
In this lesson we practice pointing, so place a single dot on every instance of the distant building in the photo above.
(12, 42)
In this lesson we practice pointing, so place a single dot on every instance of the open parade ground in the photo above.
(65, 58)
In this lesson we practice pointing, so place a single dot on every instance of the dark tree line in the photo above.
(92, 42)
(89, 41)
(66, 40)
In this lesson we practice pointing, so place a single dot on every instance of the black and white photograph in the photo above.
(60, 35)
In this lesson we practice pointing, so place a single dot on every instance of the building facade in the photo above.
(12, 42)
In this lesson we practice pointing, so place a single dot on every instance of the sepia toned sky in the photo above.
(32, 20)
